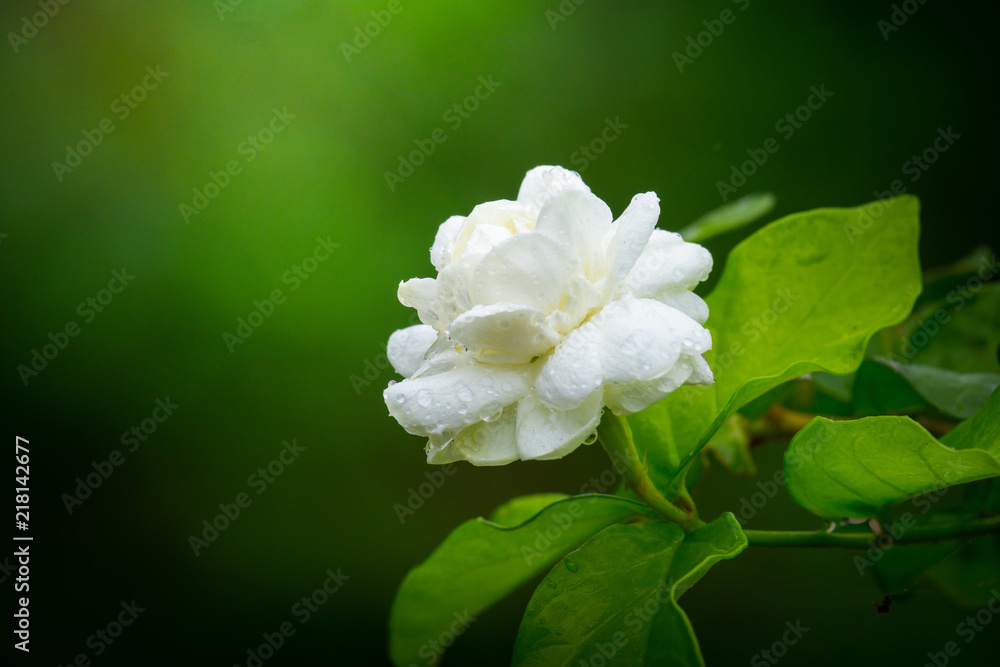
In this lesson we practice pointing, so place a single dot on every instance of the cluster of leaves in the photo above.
(814, 312)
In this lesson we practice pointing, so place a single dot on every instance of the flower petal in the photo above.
(542, 183)
(544, 433)
(573, 373)
(628, 237)
(668, 264)
(578, 221)
(626, 399)
(407, 347)
(687, 302)
(527, 269)
(643, 339)
(503, 333)
(443, 249)
(701, 373)
(446, 402)
(440, 300)
(492, 443)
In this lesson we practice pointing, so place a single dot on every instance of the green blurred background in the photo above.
(302, 373)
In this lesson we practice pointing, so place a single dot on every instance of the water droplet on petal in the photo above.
(590, 439)
(425, 398)
(507, 386)
(464, 392)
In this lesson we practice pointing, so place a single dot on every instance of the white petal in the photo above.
(643, 339)
(439, 451)
(407, 347)
(628, 237)
(625, 399)
(446, 402)
(668, 264)
(444, 242)
(581, 299)
(688, 303)
(527, 269)
(440, 300)
(491, 223)
(489, 443)
(573, 373)
(542, 183)
(503, 333)
(578, 221)
(544, 433)
(702, 373)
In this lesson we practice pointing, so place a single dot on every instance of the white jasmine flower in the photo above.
(543, 312)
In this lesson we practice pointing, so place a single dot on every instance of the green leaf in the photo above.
(962, 333)
(731, 216)
(802, 294)
(518, 510)
(951, 392)
(880, 389)
(858, 468)
(480, 562)
(616, 597)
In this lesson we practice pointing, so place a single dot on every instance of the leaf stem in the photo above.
(867, 540)
(616, 438)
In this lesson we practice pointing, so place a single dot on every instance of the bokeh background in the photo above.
(313, 371)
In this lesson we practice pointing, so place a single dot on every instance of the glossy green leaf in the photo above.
(518, 510)
(802, 294)
(954, 393)
(879, 389)
(614, 600)
(730, 216)
(480, 562)
(858, 468)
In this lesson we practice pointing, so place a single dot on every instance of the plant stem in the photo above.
(616, 438)
(865, 540)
